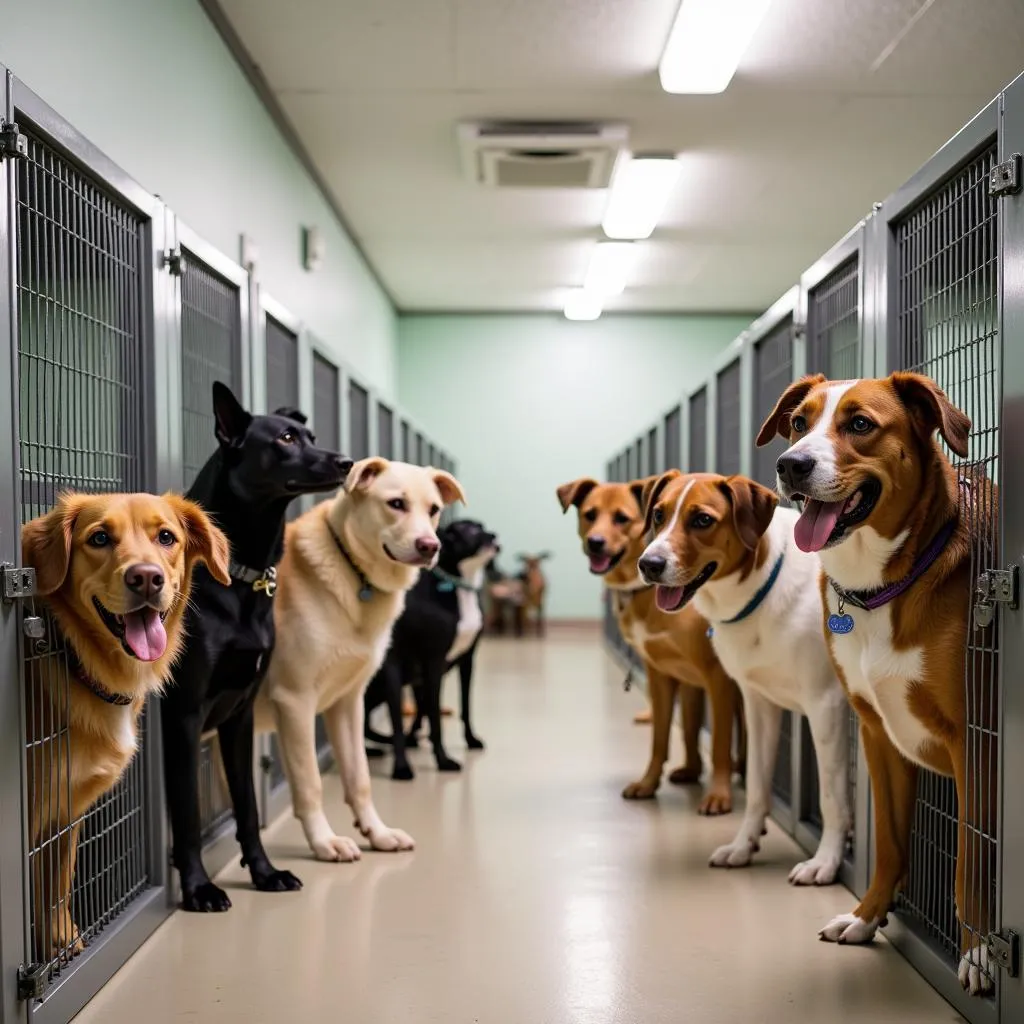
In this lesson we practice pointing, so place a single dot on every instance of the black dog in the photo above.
(438, 630)
(263, 464)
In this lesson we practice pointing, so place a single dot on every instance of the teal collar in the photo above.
(446, 582)
(755, 602)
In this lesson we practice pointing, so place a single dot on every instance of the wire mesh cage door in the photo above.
(944, 322)
(727, 422)
(385, 432)
(697, 449)
(654, 456)
(407, 453)
(211, 350)
(673, 439)
(359, 424)
(421, 450)
(83, 370)
(773, 373)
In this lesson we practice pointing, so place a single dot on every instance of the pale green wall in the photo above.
(528, 402)
(150, 83)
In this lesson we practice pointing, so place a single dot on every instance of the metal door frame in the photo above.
(973, 138)
(91, 970)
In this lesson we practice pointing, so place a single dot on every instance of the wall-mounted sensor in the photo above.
(314, 248)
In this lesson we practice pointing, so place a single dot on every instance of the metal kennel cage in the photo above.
(673, 433)
(359, 421)
(78, 250)
(385, 431)
(654, 454)
(728, 441)
(697, 448)
(421, 450)
(407, 454)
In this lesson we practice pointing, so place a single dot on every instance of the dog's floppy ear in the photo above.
(637, 487)
(752, 508)
(653, 486)
(932, 410)
(364, 472)
(450, 488)
(292, 414)
(232, 421)
(575, 492)
(46, 542)
(204, 542)
(778, 420)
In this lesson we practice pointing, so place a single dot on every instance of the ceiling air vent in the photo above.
(545, 154)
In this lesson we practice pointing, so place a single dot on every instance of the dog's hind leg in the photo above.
(433, 676)
(344, 723)
(829, 720)
(466, 681)
(692, 703)
(391, 681)
(237, 739)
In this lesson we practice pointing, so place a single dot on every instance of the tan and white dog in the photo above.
(894, 524)
(347, 566)
(722, 543)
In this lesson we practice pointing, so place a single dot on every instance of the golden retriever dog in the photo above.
(116, 572)
(342, 582)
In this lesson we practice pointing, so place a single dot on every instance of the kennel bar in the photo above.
(834, 323)
(84, 323)
(698, 458)
(938, 287)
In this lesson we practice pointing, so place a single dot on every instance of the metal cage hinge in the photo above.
(12, 142)
(995, 586)
(1004, 951)
(31, 981)
(1005, 179)
(174, 261)
(15, 582)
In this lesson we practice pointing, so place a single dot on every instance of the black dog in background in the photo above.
(438, 630)
(262, 464)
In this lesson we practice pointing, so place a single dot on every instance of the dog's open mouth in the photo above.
(671, 599)
(423, 561)
(602, 564)
(141, 632)
(825, 523)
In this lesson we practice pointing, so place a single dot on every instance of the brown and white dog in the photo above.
(720, 542)
(116, 572)
(882, 507)
(676, 651)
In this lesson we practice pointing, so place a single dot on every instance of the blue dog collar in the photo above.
(755, 602)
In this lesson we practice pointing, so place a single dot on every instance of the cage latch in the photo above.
(12, 142)
(31, 981)
(1005, 179)
(994, 586)
(174, 261)
(1004, 951)
(16, 582)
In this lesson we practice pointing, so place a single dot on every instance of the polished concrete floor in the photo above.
(536, 895)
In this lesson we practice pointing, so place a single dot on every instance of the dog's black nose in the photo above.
(427, 546)
(652, 566)
(595, 545)
(344, 463)
(794, 468)
(145, 580)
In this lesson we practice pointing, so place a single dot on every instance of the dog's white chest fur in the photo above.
(879, 674)
(471, 619)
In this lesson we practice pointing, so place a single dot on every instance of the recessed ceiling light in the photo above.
(640, 188)
(706, 42)
(610, 264)
(582, 305)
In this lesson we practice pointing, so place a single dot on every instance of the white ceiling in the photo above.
(835, 104)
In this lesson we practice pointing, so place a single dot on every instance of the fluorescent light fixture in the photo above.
(610, 264)
(707, 40)
(582, 305)
(639, 191)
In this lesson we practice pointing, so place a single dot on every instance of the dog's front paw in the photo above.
(412, 739)
(849, 930)
(391, 840)
(686, 775)
(402, 772)
(734, 855)
(205, 899)
(337, 848)
(473, 742)
(716, 801)
(64, 936)
(816, 871)
(975, 971)
(277, 881)
(644, 789)
(447, 764)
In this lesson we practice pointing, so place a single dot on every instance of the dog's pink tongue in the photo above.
(600, 563)
(668, 598)
(144, 633)
(816, 523)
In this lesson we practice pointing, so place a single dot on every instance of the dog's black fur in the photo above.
(261, 465)
(422, 637)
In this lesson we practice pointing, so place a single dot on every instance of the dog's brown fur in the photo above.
(80, 745)
(676, 651)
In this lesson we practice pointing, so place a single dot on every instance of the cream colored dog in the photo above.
(347, 565)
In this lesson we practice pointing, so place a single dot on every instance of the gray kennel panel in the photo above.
(833, 323)
(421, 450)
(697, 456)
(282, 367)
(945, 324)
(407, 454)
(728, 440)
(773, 373)
(673, 441)
(358, 421)
(385, 432)
(653, 455)
(782, 780)
(326, 403)
(81, 265)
